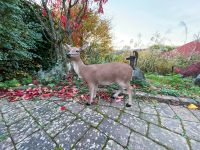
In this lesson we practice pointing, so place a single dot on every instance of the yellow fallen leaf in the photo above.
(192, 106)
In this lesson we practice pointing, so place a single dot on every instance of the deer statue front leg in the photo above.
(92, 93)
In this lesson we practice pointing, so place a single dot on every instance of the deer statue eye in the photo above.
(77, 51)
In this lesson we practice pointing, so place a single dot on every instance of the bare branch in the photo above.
(72, 5)
(44, 3)
(82, 12)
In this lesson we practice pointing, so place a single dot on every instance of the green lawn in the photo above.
(173, 85)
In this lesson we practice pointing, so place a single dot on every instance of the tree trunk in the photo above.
(61, 56)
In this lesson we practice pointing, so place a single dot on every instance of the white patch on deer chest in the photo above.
(76, 69)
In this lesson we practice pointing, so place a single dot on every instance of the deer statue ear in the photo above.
(68, 46)
(85, 46)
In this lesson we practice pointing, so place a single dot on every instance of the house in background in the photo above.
(187, 51)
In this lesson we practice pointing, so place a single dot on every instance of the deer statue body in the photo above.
(102, 74)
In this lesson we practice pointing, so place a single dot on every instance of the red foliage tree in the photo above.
(61, 19)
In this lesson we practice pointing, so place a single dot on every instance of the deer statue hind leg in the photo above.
(128, 88)
(130, 94)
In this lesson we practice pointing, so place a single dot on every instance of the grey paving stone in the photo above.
(59, 124)
(92, 140)
(187, 100)
(119, 105)
(41, 109)
(45, 114)
(4, 135)
(11, 107)
(147, 108)
(12, 117)
(134, 107)
(112, 145)
(139, 142)
(167, 98)
(53, 98)
(33, 104)
(91, 116)
(2, 128)
(132, 112)
(6, 144)
(150, 118)
(37, 141)
(184, 113)
(74, 107)
(62, 103)
(44, 106)
(164, 110)
(22, 129)
(69, 136)
(194, 144)
(115, 131)
(196, 113)
(172, 124)
(109, 111)
(103, 103)
(167, 138)
(192, 129)
(3, 102)
(134, 123)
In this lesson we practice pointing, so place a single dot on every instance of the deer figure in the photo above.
(101, 74)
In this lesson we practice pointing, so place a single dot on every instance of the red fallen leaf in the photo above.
(75, 90)
(70, 95)
(46, 94)
(19, 93)
(63, 90)
(45, 89)
(3, 93)
(60, 95)
(13, 98)
(35, 93)
(83, 97)
(104, 95)
(119, 98)
(62, 108)
(27, 96)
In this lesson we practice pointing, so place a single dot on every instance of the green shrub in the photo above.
(11, 83)
(27, 80)
(154, 61)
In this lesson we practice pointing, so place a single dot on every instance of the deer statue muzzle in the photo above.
(101, 74)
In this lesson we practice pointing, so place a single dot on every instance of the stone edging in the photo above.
(168, 99)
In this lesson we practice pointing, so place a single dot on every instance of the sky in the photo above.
(135, 22)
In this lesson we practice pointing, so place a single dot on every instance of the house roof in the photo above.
(186, 50)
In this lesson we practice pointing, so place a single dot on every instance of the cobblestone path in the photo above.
(42, 125)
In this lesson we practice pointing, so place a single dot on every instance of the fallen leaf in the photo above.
(119, 98)
(46, 94)
(192, 106)
(62, 108)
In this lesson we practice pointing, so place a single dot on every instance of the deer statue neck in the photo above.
(77, 65)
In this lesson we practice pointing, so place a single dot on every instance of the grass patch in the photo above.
(173, 85)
